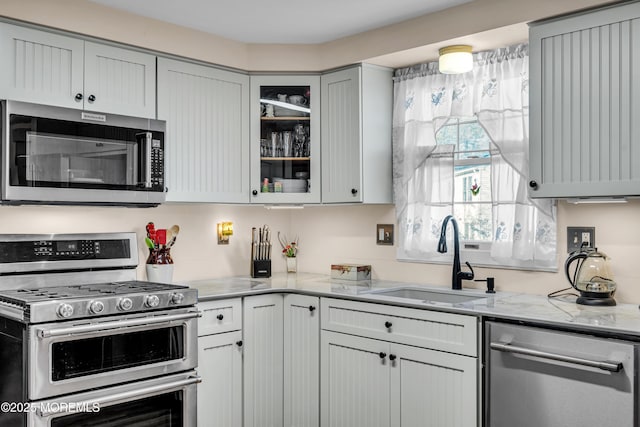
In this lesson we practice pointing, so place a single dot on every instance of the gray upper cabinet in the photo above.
(285, 139)
(207, 114)
(356, 135)
(584, 126)
(53, 69)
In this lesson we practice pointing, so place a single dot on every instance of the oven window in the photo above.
(165, 410)
(82, 357)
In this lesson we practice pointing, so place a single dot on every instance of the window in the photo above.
(472, 177)
(461, 148)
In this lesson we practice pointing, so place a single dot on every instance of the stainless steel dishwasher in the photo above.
(537, 377)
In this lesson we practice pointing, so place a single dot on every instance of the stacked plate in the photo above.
(292, 185)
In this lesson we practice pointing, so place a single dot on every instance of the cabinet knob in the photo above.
(312, 308)
(388, 324)
(239, 343)
(78, 97)
(382, 355)
(533, 184)
(254, 192)
(392, 357)
(354, 191)
(91, 98)
(220, 317)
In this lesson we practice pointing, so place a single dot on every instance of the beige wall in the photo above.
(327, 234)
(85, 17)
(196, 253)
(340, 234)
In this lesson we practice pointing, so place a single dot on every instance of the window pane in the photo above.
(474, 221)
(473, 137)
(448, 134)
(472, 184)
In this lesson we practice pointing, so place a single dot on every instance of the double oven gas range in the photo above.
(83, 343)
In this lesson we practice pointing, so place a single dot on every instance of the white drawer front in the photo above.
(453, 333)
(220, 316)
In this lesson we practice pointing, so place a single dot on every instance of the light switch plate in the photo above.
(577, 235)
(384, 234)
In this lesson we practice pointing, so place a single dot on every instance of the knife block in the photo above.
(261, 268)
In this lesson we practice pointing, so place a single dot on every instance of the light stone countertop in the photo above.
(623, 319)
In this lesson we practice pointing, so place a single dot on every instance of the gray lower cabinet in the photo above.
(356, 135)
(207, 137)
(368, 381)
(263, 360)
(584, 129)
(301, 361)
(220, 363)
(281, 360)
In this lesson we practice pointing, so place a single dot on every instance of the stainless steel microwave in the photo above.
(56, 155)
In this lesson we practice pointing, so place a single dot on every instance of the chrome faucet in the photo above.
(457, 275)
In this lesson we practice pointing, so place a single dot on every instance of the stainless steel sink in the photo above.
(429, 295)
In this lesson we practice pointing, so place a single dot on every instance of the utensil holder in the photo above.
(261, 268)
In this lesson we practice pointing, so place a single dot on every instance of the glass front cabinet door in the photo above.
(285, 139)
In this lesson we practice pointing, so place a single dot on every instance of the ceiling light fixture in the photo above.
(455, 59)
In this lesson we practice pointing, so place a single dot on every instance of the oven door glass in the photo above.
(56, 153)
(68, 357)
(165, 410)
(96, 355)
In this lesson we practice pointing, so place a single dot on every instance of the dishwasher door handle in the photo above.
(604, 365)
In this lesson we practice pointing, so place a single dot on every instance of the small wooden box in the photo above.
(351, 271)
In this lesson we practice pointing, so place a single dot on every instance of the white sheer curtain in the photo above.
(496, 92)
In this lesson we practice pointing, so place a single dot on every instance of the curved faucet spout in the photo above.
(457, 275)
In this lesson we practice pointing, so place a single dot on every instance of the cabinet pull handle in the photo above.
(382, 355)
(388, 324)
(239, 343)
(91, 98)
(392, 357)
(78, 97)
(220, 317)
(533, 184)
(604, 365)
(254, 192)
(312, 308)
(354, 191)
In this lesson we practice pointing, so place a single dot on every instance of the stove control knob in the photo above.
(125, 304)
(152, 301)
(177, 298)
(65, 310)
(96, 307)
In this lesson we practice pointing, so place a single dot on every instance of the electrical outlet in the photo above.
(579, 236)
(384, 234)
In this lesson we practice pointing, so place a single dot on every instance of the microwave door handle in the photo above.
(123, 397)
(118, 324)
(604, 365)
(146, 139)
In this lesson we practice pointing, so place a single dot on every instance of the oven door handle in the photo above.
(118, 324)
(123, 396)
(604, 365)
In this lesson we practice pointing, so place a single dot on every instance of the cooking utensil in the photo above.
(173, 232)
(161, 237)
(149, 243)
(591, 277)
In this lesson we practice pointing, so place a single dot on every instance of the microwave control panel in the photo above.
(157, 165)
